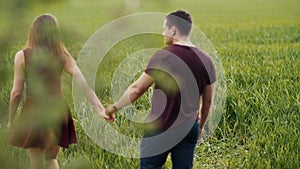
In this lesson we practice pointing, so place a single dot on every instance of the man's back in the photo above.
(180, 74)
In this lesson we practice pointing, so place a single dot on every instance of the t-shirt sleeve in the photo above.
(212, 78)
(155, 63)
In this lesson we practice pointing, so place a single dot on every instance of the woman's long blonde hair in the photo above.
(45, 34)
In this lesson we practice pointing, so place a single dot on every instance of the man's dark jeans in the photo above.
(182, 155)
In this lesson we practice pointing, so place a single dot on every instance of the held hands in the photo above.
(99, 108)
(103, 114)
(110, 112)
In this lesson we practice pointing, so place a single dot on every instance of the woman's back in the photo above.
(45, 123)
(46, 119)
(42, 75)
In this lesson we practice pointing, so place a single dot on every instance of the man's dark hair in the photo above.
(181, 20)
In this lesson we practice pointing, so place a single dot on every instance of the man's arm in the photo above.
(207, 100)
(133, 92)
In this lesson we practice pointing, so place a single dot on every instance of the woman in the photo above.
(45, 123)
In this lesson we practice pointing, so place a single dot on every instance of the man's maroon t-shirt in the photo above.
(180, 74)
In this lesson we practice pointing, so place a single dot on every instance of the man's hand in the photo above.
(200, 139)
(110, 112)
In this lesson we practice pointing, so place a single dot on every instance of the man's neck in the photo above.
(183, 41)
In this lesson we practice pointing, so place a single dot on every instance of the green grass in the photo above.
(258, 42)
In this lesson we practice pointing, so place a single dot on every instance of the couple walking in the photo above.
(183, 77)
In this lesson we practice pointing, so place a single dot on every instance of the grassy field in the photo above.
(258, 42)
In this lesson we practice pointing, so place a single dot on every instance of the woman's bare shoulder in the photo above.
(19, 58)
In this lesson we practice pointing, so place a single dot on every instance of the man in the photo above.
(182, 76)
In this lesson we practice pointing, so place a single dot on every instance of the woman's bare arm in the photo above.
(73, 70)
(17, 89)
